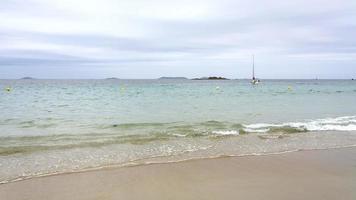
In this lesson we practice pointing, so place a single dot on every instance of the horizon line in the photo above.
(171, 78)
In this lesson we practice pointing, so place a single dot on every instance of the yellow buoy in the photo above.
(8, 89)
(122, 89)
(289, 87)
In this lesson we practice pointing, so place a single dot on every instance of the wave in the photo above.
(144, 133)
(346, 123)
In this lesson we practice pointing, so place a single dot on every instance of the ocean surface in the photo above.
(59, 126)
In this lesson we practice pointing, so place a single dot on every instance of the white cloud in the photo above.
(179, 33)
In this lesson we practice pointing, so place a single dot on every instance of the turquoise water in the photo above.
(56, 126)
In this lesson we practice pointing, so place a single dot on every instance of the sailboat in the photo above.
(254, 80)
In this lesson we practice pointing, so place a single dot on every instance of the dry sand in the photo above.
(318, 174)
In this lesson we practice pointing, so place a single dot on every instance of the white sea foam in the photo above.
(179, 135)
(347, 123)
(230, 132)
(262, 125)
(256, 130)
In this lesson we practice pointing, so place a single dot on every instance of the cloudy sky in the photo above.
(192, 38)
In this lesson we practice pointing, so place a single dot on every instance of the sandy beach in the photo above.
(317, 174)
(177, 100)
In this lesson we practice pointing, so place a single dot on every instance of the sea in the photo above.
(63, 126)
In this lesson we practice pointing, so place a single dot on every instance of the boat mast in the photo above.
(253, 67)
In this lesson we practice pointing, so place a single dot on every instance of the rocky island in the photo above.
(211, 78)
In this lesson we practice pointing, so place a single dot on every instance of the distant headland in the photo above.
(211, 78)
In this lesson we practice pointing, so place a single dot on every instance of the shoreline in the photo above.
(334, 164)
(136, 163)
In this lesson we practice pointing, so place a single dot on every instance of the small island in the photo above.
(112, 78)
(211, 78)
(27, 78)
(170, 78)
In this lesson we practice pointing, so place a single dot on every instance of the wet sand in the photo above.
(317, 174)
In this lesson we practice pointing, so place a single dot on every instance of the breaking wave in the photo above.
(143, 133)
(346, 123)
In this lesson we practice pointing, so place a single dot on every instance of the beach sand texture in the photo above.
(317, 174)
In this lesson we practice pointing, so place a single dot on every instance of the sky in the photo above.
(190, 38)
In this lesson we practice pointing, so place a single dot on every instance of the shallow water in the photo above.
(54, 126)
